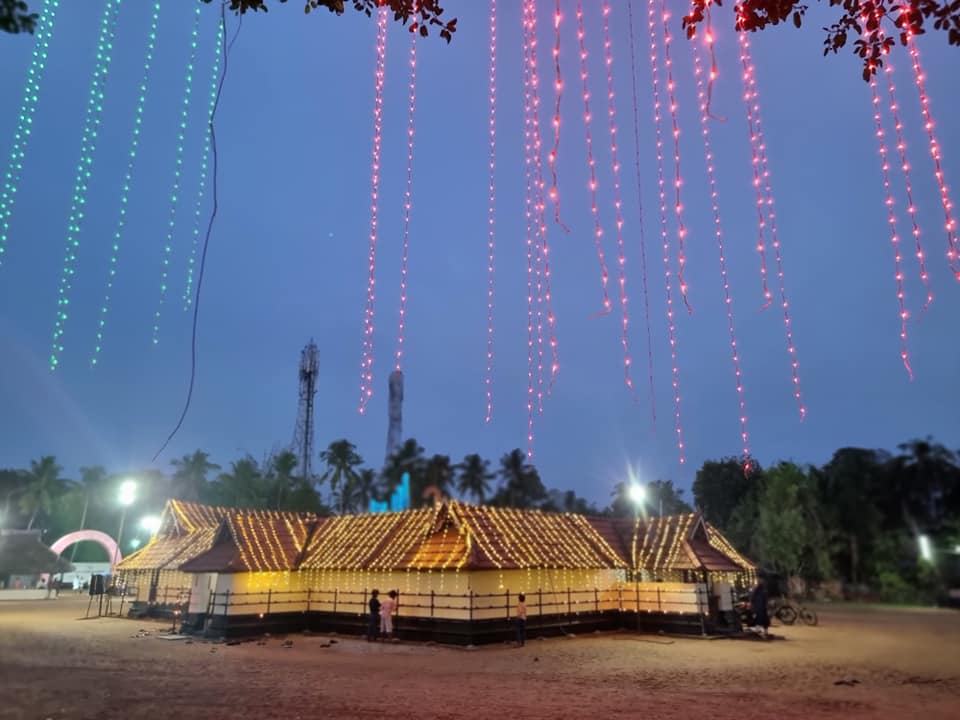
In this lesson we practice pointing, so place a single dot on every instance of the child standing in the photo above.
(520, 620)
(373, 627)
(386, 614)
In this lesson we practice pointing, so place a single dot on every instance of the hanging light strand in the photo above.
(643, 237)
(407, 199)
(718, 234)
(366, 364)
(545, 294)
(617, 203)
(558, 90)
(177, 170)
(491, 208)
(905, 169)
(664, 233)
(81, 184)
(892, 220)
(950, 223)
(752, 98)
(204, 169)
(677, 181)
(531, 223)
(591, 165)
(28, 108)
(127, 181)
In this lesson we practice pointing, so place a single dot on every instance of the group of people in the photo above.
(381, 615)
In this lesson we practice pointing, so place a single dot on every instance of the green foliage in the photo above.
(720, 486)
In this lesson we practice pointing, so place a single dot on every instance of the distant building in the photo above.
(26, 564)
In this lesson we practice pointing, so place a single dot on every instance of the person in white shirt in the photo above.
(387, 607)
(520, 620)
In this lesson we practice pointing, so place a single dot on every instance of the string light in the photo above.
(366, 364)
(88, 145)
(950, 224)
(407, 199)
(678, 205)
(491, 208)
(28, 108)
(758, 146)
(127, 180)
(718, 233)
(588, 119)
(558, 89)
(664, 238)
(892, 220)
(177, 171)
(643, 237)
(202, 183)
(545, 298)
(618, 205)
(529, 212)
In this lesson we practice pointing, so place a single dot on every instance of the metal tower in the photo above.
(395, 413)
(303, 434)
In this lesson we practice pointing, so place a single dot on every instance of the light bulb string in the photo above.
(491, 212)
(408, 200)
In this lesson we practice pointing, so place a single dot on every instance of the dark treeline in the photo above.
(867, 523)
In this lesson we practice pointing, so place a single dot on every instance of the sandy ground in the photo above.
(906, 662)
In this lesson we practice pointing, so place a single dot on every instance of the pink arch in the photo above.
(101, 538)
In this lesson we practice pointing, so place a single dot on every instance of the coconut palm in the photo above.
(280, 477)
(474, 477)
(43, 484)
(409, 458)
(438, 474)
(243, 486)
(190, 476)
(342, 462)
(521, 484)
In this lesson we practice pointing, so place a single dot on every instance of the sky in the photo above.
(288, 255)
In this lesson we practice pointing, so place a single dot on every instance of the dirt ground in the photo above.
(906, 664)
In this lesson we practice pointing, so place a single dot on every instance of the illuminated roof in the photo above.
(453, 535)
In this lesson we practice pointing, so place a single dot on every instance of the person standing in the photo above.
(759, 600)
(520, 620)
(386, 614)
(373, 627)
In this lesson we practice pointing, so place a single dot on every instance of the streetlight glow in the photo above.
(128, 492)
(638, 494)
(150, 523)
(135, 543)
(926, 551)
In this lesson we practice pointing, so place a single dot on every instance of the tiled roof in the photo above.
(681, 542)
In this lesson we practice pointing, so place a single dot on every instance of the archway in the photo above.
(101, 538)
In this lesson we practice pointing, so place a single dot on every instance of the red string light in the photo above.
(892, 219)
(718, 233)
(366, 366)
(588, 118)
(558, 89)
(407, 199)
(529, 213)
(905, 168)
(618, 205)
(759, 148)
(678, 205)
(491, 209)
(664, 235)
(643, 237)
(950, 224)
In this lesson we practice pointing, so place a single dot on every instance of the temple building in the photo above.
(457, 568)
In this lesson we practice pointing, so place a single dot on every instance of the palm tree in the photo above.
(92, 480)
(243, 486)
(409, 459)
(43, 483)
(522, 486)
(364, 490)
(280, 476)
(190, 477)
(474, 477)
(342, 461)
(438, 474)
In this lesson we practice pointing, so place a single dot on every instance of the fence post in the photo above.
(569, 605)
(363, 603)
(596, 600)
(659, 604)
(432, 594)
(308, 599)
(226, 603)
(336, 594)
(471, 606)
(269, 598)
(506, 604)
(638, 597)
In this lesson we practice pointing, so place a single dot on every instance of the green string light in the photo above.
(28, 107)
(204, 161)
(127, 178)
(178, 172)
(88, 144)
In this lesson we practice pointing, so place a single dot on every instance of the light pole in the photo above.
(128, 493)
